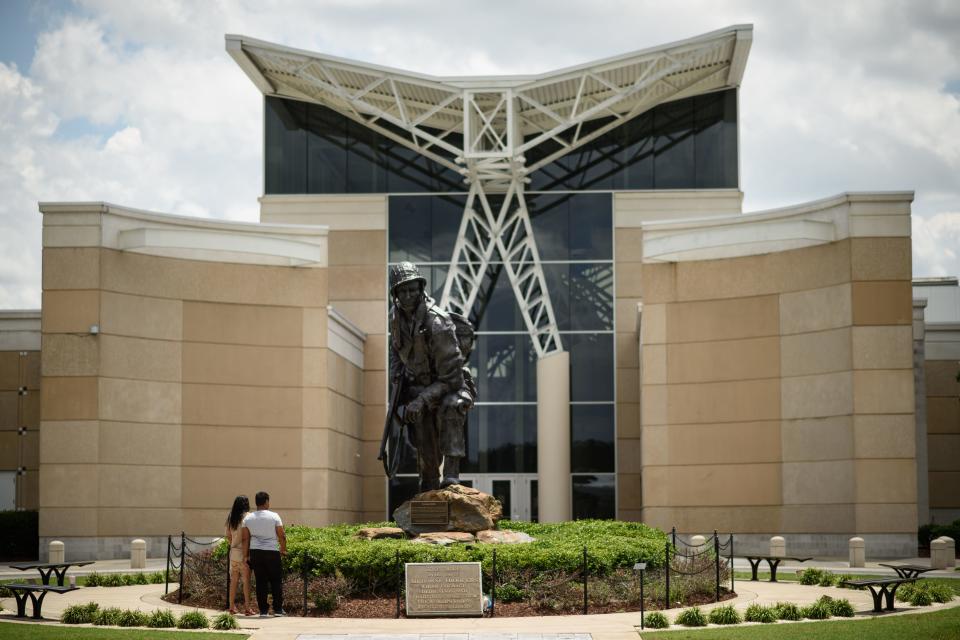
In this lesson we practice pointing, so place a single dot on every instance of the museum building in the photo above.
(645, 350)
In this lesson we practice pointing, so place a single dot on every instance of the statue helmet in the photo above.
(405, 272)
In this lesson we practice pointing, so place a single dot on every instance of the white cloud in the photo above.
(836, 97)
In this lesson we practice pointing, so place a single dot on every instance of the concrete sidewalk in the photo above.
(615, 626)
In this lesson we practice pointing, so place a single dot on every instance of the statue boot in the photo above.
(451, 471)
(429, 484)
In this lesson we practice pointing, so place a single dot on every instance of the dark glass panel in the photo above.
(501, 439)
(591, 226)
(730, 156)
(446, 213)
(326, 151)
(558, 284)
(710, 141)
(594, 497)
(534, 501)
(411, 228)
(366, 169)
(674, 145)
(505, 368)
(550, 218)
(591, 366)
(592, 438)
(285, 148)
(501, 490)
(401, 489)
(591, 297)
(496, 307)
(638, 153)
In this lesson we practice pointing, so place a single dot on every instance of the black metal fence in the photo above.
(177, 556)
(686, 559)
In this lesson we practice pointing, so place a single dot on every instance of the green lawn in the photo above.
(11, 631)
(940, 625)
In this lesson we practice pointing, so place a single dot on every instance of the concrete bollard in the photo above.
(950, 551)
(858, 555)
(778, 546)
(55, 551)
(697, 541)
(938, 554)
(138, 554)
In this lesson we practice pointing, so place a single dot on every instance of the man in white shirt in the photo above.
(264, 542)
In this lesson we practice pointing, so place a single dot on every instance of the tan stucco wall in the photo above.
(20, 407)
(206, 380)
(780, 384)
(943, 437)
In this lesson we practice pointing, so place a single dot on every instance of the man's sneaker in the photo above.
(264, 615)
(279, 614)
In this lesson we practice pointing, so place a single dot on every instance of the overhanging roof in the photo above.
(542, 106)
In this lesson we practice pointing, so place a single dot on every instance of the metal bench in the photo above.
(21, 591)
(47, 568)
(880, 588)
(772, 561)
(907, 570)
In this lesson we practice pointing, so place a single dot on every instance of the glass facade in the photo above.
(686, 144)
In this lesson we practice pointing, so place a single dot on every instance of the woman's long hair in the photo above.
(241, 505)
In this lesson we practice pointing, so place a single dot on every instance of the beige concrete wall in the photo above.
(777, 391)
(943, 420)
(20, 402)
(206, 380)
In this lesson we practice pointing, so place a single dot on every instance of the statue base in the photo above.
(467, 510)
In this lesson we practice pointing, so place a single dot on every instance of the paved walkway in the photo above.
(615, 626)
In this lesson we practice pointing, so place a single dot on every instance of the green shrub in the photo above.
(692, 617)
(724, 615)
(828, 579)
(107, 617)
(841, 608)
(819, 610)
(510, 592)
(759, 613)
(193, 620)
(936, 592)
(93, 580)
(811, 576)
(929, 532)
(655, 620)
(140, 578)
(225, 622)
(921, 598)
(325, 602)
(162, 619)
(787, 611)
(132, 618)
(157, 577)
(79, 613)
(939, 592)
(112, 580)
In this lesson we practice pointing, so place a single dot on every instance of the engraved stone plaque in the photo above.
(430, 512)
(449, 589)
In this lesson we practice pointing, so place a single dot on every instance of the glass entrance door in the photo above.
(512, 490)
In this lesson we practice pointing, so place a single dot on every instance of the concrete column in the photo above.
(55, 551)
(778, 546)
(554, 487)
(138, 554)
(858, 552)
(938, 554)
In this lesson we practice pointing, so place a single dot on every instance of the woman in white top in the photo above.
(238, 568)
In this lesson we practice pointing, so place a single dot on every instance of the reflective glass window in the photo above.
(326, 151)
(591, 366)
(285, 151)
(501, 439)
(366, 168)
(424, 228)
(594, 496)
(592, 438)
(401, 489)
(505, 368)
(637, 153)
(673, 164)
(591, 226)
(496, 308)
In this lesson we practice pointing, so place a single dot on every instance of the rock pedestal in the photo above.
(470, 511)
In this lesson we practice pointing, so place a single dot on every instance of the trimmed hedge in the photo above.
(929, 532)
(371, 564)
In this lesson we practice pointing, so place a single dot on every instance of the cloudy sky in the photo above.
(137, 103)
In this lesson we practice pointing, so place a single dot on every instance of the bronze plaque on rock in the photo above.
(449, 589)
(430, 512)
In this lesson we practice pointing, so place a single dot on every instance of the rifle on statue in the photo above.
(392, 442)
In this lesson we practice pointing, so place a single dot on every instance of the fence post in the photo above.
(398, 584)
(673, 535)
(716, 560)
(493, 587)
(228, 579)
(585, 605)
(666, 594)
(166, 580)
(183, 564)
(732, 585)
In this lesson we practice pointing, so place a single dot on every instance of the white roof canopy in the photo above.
(498, 117)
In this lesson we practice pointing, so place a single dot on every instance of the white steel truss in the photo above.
(483, 127)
